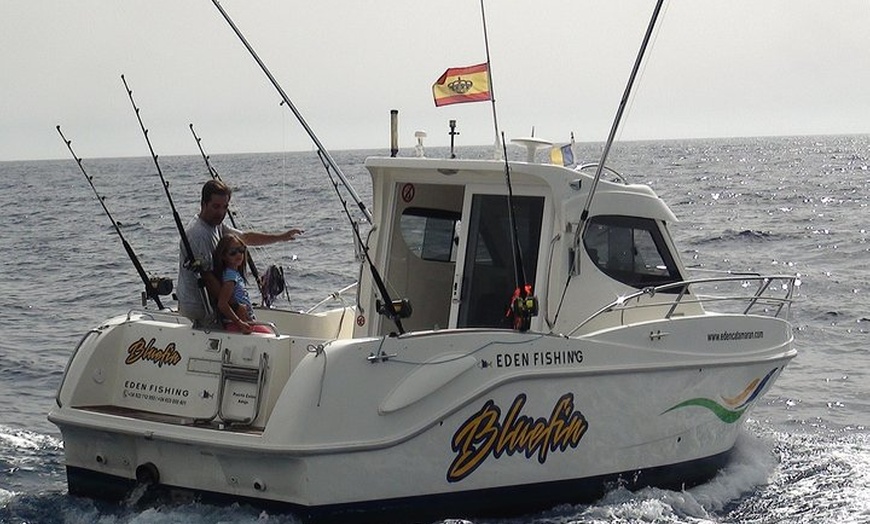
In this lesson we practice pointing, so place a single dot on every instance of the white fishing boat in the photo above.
(635, 378)
(509, 347)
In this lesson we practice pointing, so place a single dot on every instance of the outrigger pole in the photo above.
(298, 115)
(584, 215)
(214, 174)
(190, 261)
(622, 103)
(154, 287)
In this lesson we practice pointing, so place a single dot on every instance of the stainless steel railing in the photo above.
(774, 293)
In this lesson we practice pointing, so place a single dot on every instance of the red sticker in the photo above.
(408, 191)
(360, 320)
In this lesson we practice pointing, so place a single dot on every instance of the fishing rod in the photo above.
(298, 115)
(394, 310)
(215, 176)
(584, 215)
(523, 304)
(190, 261)
(622, 104)
(154, 286)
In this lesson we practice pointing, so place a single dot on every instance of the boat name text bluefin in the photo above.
(139, 350)
(546, 358)
(482, 435)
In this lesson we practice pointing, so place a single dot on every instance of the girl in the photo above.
(233, 301)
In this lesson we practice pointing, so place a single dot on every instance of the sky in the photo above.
(716, 68)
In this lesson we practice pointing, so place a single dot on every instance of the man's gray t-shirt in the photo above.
(203, 240)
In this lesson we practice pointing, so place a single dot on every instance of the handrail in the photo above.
(164, 314)
(270, 325)
(335, 295)
(612, 171)
(753, 299)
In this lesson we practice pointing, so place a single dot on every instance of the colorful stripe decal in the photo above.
(736, 406)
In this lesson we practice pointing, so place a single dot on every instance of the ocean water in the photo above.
(796, 205)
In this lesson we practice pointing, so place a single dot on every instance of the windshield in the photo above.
(631, 250)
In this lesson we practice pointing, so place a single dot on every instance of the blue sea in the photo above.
(796, 205)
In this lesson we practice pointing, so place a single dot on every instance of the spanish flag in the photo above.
(462, 84)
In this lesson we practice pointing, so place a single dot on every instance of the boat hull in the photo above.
(492, 502)
(433, 425)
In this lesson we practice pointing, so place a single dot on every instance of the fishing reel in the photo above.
(400, 308)
(523, 307)
(157, 287)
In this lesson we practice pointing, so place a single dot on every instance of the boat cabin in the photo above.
(442, 240)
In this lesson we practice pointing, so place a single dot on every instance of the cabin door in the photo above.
(482, 291)
(421, 259)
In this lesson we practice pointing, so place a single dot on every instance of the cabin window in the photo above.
(631, 250)
(430, 234)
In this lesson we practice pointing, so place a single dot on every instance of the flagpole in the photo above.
(498, 148)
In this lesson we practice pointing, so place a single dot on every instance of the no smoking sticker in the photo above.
(408, 191)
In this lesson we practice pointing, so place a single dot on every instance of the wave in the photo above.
(27, 440)
(60, 508)
(746, 235)
(820, 479)
(751, 465)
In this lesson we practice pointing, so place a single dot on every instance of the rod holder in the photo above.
(453, 132)
(394, 132)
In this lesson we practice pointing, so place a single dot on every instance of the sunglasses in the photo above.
(236, 251)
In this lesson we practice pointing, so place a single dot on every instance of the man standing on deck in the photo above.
(203, 233)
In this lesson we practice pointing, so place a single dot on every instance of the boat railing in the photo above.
(164, 315)
(336, 295)
(611, 171)
(773, 293)
(174, 317)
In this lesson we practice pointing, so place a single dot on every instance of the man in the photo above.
(203, 233)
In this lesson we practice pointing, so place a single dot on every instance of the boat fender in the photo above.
(147, 474)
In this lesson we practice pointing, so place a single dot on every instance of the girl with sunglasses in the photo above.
(234, 303)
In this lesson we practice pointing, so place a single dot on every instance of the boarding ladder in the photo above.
(241, 389)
